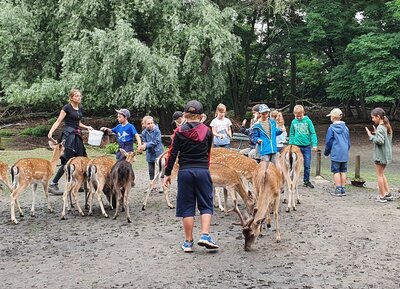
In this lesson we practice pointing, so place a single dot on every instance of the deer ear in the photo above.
(123, 151)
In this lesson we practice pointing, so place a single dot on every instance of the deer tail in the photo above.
(14, 176)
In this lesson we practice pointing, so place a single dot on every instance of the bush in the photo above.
(6, 132)
(40, 130)
(112, 148)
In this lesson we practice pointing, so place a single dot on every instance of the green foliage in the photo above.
(6, 132)
(112, 148)
(40, 130)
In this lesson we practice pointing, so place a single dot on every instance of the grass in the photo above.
(6, 132)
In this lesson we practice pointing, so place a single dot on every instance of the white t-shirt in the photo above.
(221, 124)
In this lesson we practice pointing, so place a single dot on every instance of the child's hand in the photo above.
(315, 149)
(368, 131)
(167, 181)
(244, 122)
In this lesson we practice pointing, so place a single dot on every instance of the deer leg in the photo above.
(21, 214)
(118, 197)
(126, 205)
(90, 197)
(14, 199)
(226, 199)
(276, 215)
(98, 191)
(46, 193)
(166, 194)
(86, 191)
(74, 193)
(65, 201)
(34, 188)
(218, 198)
(289, 205)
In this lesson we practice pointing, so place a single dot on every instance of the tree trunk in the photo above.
(363, 111)
(293, 88)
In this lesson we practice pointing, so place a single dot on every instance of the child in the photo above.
(337, 145)
(125, 132)
(250, 151)
(281, 139)
(264, 134)
(177, 119)
(151, 136)
(192, 141)
(381, 137)
(303, 135)
(221, 128)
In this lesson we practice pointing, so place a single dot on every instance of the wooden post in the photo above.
(319, 158)
(358, 166)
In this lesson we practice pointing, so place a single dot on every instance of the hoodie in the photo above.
(337, 142)
(193, 141)
(302, 132)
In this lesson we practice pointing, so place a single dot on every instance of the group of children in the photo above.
(192, 142)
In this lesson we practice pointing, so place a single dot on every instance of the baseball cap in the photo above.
(124, 112)
(263, 108)
(177, 114)
(335, 113)
(194, 106)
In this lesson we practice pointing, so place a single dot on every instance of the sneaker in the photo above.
(308, 184)
(381, 199)
(187, 246)
(388, 197)
(337, 193)
(207, 241)
(342, 191)
(54, 190)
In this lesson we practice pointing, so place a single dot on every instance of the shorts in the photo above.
(338, 167)
(194, 186)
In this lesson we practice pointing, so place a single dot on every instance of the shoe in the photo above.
(381, 199)
(337, 193)
(342, 191)
(187, 246)
(388, 197)
(308, 184)
(207, 241)
(161, 190)
(54, 190)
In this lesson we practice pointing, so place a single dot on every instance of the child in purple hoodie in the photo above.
(337, 145)
(192, 141)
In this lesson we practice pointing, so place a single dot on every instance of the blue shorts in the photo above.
(194, 185)
(338, 167)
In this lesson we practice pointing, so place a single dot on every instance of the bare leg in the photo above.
(205, 222)
(188, 223)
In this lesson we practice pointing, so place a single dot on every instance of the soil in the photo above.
(347, 242)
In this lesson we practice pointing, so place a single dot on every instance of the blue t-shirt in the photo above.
(125, 133)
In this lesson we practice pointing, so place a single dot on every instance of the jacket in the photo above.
(382, 145)
(192, 141)
(154, 147)
(268, 145)
(337, 142)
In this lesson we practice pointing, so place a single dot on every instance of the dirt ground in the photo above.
(348, 242)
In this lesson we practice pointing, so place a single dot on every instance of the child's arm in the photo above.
(314, 139)
(138, 140)
(328, 142)
(106, 129)
(291, 134)
(154, 142)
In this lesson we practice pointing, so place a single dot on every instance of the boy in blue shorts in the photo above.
(125, 133)
(192, 141)
(337, 145)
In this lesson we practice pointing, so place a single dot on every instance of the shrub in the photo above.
(6, 132)
(40, 130)
(112, 148)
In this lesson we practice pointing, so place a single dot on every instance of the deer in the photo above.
(29, 171)
(98, 173)
(291, 161)
(268, 182)
(158, 174)
(4, 171)
(122, 180)
(76, 176)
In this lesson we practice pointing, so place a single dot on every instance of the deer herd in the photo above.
(259, 185)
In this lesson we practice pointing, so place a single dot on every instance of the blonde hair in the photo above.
(193, 117)
(72, 93)
(145, 119)
(298, 109)
(280, 120)
(274, 114)
(220, 108)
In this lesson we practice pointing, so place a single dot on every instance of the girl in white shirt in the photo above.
(221, 128)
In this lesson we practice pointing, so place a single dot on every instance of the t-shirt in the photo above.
(221, 124)
(73, 116)
(125, 133)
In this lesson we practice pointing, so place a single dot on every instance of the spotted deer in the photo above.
(268, 182)
(291, 162)
(122, 180)
(4, 171)
(158, 175)
(76, 176)
(29, 171)
(98, 172)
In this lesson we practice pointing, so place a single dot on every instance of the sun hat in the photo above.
(336, 112)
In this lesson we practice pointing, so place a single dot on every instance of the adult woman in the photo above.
(72, 114)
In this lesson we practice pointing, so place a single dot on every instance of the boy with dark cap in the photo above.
(192, 141)
(125, 132)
